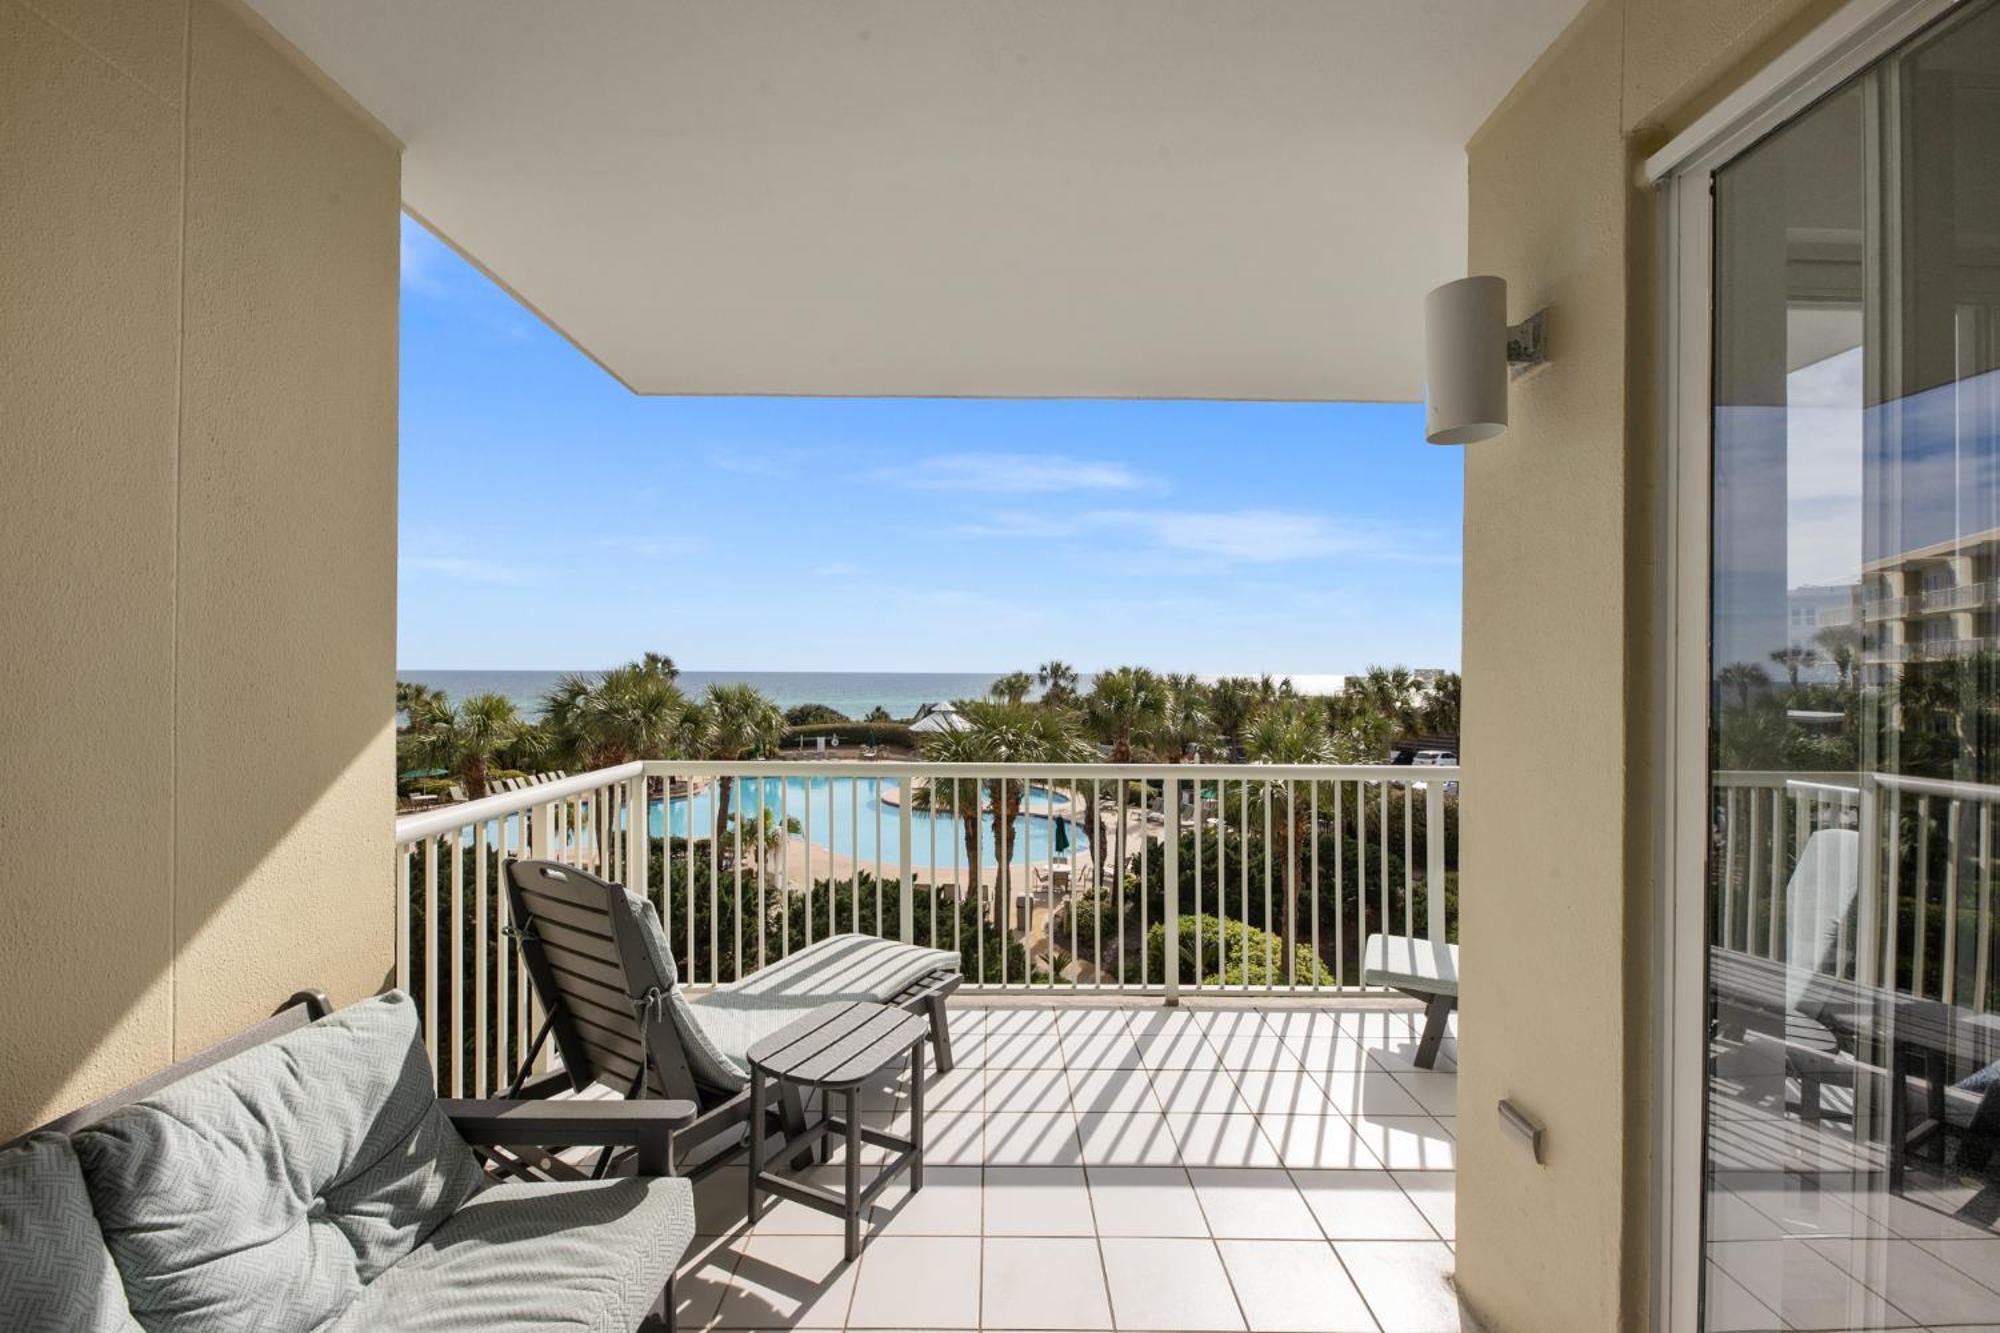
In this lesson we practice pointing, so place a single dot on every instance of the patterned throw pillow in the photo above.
(55, 1274)
(266, 1191)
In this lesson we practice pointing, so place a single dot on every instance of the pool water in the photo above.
(849, 816)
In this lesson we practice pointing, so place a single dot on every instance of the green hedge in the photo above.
(854, 733)
(1232, 954)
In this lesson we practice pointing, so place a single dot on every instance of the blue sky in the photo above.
(552, 519)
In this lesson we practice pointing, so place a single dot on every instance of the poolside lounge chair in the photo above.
(605, 975)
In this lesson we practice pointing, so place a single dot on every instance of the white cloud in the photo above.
(464, 569)
(1242, 536)
(421, 258)
(777, 464)
(655, 546)
(1262, 536)
(1013, 474)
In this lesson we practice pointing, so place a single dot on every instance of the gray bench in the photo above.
(305, 1176)
(1425, 969)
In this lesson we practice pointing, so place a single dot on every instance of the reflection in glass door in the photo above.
(1852, 1161)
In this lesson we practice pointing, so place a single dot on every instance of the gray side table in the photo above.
(835, 1049)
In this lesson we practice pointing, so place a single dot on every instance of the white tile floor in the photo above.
(1129, 1168)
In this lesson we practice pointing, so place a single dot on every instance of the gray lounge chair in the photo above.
(605, 975)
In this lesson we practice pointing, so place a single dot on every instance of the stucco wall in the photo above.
(1559, 661)
(197, 348)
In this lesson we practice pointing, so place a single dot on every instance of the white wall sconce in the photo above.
(1470, 352)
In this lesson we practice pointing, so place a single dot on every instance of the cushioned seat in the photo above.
(268, 1191)
(718, 1029)
(586, 1255)
(312, 1180)
(839, 968)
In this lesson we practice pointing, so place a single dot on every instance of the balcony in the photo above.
(1240, 1140)
(1967, 597)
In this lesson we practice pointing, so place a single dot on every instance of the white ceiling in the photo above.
(1107, 198)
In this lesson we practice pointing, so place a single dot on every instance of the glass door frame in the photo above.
(1854, 37)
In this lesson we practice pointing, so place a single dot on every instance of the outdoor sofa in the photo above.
(304, 1176)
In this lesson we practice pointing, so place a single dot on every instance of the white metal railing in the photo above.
(1066, 893)
(1922, 923)
(479, 1010)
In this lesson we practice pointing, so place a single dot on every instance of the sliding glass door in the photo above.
(1851, 1101)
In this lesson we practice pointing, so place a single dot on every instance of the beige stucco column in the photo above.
(198, 327)
(1560, 663)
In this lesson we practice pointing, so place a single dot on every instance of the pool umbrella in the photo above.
(1062, 834)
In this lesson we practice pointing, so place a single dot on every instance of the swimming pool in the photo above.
(849, 816)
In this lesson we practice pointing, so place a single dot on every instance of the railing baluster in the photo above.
(1921, 917)
(404, 868)
(480, 991)
(1145, 894)
(906, 906)
(784, 875)
(1270, 924)
(1198, 821)
(1171, 916)
(1361, 866)
(430, 950)
(1409, 861)
(1982, 951)
(454, 1030)
(1948, 986)
(1339, 888)
(1312, 892)
(503, 966)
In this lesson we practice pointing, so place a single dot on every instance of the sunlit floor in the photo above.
(1136, 1168)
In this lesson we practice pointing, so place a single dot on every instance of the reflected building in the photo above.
(1930, 604)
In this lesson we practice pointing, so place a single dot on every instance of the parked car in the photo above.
(1434, 759)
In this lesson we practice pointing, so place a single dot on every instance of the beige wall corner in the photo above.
(1558, 663)
(1543, 850)
(285, 629)
(197, 328)
(89, 356)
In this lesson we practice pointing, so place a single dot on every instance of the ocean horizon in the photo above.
(854, 693)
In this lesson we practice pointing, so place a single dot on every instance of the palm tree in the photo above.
(1185, 725)
(1794, 659)
(1058, 680)
(737, 722)
(630, 712)
(1840, 645)
(1232, 702)
(997, 732)
(1291, 731)
(764, 836)
(1126, 710)
(466, 738)
(416, 702)
(1012, 688)
(1439, 712)
(1746, 678)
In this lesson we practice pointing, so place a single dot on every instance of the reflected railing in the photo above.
(1921, 923)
